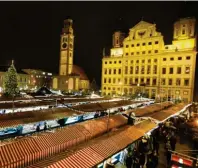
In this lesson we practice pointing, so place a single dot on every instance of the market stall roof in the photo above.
(104, 106)
(102, 147)
(58, 141)
(20, 118)
(164, 114)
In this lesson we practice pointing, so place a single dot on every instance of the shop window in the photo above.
(187, 70)
(178, 70)
(171, 71)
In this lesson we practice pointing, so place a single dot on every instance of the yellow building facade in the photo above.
(142, 63)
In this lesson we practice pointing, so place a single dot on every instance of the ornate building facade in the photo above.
(71, 77)
(142, 63)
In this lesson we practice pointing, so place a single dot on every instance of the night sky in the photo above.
(30, 31)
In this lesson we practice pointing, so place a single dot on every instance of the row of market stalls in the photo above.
(15, 124)
(113, 147)
(28, 150)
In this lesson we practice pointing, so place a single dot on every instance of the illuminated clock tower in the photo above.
(66, 48)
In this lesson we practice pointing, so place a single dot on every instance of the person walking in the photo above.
(173, 142)
(168, 157)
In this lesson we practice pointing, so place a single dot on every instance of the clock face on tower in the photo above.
(64, 45)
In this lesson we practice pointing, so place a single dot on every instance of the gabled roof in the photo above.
(142, 24)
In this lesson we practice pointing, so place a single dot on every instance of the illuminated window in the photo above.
(142, 70)
(155, 69)
(130, 80)
(172, 59)
(188, 58)
(156, 42)
(138, 44)
(164, 59)
(148, 81)
(154, 81)
(179, 58)
(163, 70)
(178, 82)
(170, 70)
(137, 70)
(186, 82)
(150, 43)
(163, 81)
(148, 69)
(170, 81)
(187, 70)
(143, 52)
(131, 70)
(178, 70)
(105, 71)
(127, 46)
(126, 70)
(125, 81)
(132, 53)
